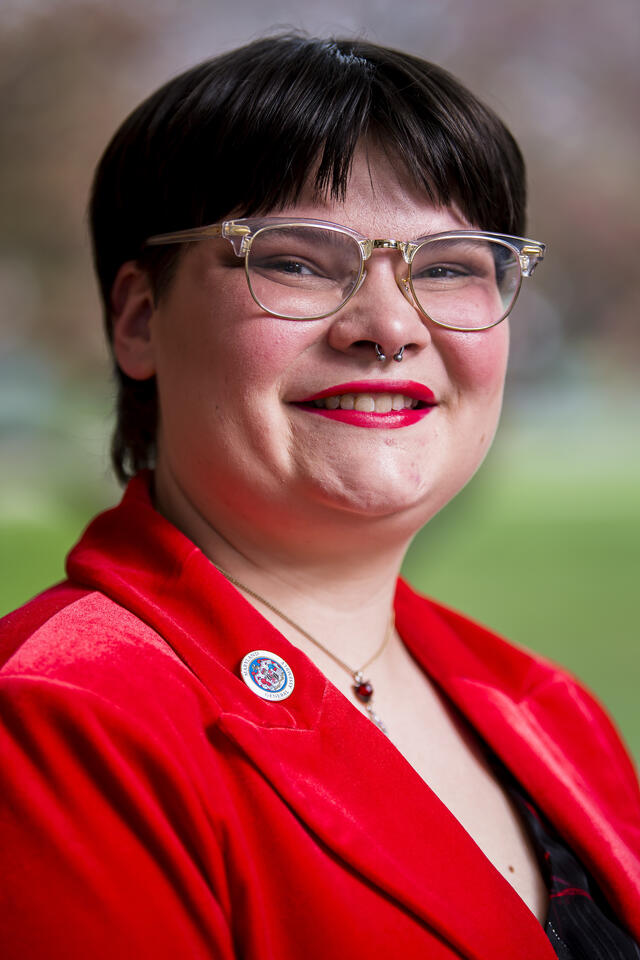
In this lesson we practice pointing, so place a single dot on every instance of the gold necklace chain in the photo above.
(362, 689)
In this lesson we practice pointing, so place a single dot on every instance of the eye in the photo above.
(298, 253)
(443, 271)
(287, 265)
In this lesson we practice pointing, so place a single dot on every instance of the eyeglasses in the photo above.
(308, 269)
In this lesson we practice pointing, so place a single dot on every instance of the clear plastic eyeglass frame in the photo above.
(241, 234)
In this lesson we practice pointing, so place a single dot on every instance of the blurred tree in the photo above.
(565, 77)
(68, 74)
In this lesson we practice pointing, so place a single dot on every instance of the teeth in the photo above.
(384, 402)
(365, 403)
(368, 402)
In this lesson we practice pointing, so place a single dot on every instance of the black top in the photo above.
(580, 924)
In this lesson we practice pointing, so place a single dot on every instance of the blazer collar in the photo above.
(366, 803)
(536, 719)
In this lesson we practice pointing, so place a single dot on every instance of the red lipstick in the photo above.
(423, 398)
(408, 388)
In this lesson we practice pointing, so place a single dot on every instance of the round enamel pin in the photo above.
(269, 677)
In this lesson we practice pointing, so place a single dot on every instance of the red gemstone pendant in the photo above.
(363, 691)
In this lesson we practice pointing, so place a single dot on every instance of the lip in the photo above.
(385, 421)
(409, 388)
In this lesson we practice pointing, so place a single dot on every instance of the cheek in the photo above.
(216, 350)
(476, 365)
(476, 362)
(262, 349)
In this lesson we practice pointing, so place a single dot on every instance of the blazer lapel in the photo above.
(529, 717)
(354, 790)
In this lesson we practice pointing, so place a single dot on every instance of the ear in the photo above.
(132, 307)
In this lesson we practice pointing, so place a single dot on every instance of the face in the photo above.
(239, 433)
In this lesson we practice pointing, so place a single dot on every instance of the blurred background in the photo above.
(544, 544)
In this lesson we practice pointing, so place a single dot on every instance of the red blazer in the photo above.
(153, 806)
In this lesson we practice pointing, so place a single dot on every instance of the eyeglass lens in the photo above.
(465, 283)
(301, 272)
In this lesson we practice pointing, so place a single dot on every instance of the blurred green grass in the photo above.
(543, 547)
(551, 562)
(34, 555)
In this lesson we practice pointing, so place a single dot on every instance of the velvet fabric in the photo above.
(153, 806)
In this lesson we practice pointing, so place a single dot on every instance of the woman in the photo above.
(232, 732)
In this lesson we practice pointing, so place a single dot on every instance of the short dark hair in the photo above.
(242, 131)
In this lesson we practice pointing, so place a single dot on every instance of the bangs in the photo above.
(313, 105)
(243, 133)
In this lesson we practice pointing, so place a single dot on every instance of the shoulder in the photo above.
(457, 642)
(478, 666)
(73, 652)
(68, 629)
(103, 732)
(90, 693)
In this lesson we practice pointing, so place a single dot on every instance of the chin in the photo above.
(412, 503)
(413, 493)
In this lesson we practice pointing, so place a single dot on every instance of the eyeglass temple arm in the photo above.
(185, 236)
(238, 234)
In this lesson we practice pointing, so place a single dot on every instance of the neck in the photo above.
(343, 598)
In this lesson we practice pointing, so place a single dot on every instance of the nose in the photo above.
(381, 320)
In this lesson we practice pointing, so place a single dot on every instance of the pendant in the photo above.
(363, 689)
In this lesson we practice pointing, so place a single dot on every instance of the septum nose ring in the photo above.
(398, 355)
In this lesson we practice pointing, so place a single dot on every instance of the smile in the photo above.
(368, 402)
(381, 404)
